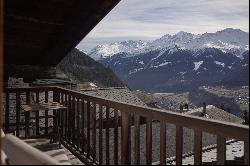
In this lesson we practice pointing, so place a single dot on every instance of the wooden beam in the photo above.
(1, 74)
(77, 30)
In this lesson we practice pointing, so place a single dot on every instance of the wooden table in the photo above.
(47, 106)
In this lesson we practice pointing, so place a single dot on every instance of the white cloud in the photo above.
(150, 19)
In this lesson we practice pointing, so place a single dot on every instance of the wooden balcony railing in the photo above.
(99, 131)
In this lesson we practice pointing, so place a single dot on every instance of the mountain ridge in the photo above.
(227, 40)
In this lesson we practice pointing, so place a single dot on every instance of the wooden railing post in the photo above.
(100, 134)
(149, 141)
(46, 114)
(107, 135)
(163, 143)
(56, 98)
(221, 150)
(7, 113)
(27, 116)
(197, 147)
(179, 144)
(137, 139)
(116, 136)
(18, 105)
(125, 139)
(246, 152)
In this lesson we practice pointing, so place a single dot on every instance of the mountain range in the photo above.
(179, 62)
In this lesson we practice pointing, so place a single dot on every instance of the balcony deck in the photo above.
(128, 138)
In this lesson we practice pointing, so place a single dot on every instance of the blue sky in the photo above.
(151, 19)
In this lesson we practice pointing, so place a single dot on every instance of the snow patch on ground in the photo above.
(197, 65)
(219, 63)
(245, 65)
(141, 62)
(135, 71)
(164, 64)
(92, 84)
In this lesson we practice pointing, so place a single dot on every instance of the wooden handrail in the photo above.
(20, 153)
(226, 129)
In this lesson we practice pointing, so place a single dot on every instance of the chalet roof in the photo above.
(120, 94)
(42, 32)
(217, 114)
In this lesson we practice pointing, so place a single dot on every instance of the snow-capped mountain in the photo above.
(108, 50)
(180, 62)
(228, 40)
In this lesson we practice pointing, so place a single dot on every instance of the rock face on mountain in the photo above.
(78, 66)
(180, 62)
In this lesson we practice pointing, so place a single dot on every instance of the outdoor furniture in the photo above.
(55, 106)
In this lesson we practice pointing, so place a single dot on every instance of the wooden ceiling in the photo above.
(42, 32)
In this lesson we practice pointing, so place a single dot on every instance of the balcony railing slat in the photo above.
(46, 113)
(27, 116)
(221, 150)
(197, 147)
(7, 112)
(70, 119)
(37, 114)
(18, 105)
(73, 120)
(116, 136)
(100, 135)
(78, 124)
(61, 122)
(65, 116)
(94, 132)
(246, 152)
(88, 129)
(137, 139)
(125, 139)
(149, 141)
(82, 129)
(179, 144)
(107, 135)
(163, 143)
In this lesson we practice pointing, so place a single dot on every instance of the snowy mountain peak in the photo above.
(228, 40)
(107, 50)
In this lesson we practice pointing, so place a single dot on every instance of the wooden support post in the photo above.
(1, 75)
